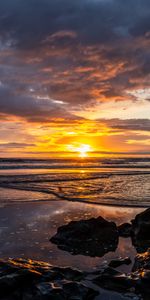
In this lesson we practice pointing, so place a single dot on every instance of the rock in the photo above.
(145, 277)
(48, 291)
(141, 269)
(137, 282)
(22, 280)
(132, 296)
(32, 280)
(115, 263)
(142, 261)
(76, 291)
(69, 274)
(114, 280)
(93, 237)
(125, 230)
(141, 231)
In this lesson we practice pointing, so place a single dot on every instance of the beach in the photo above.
(26, 230)
(35, 203)
(74, 150)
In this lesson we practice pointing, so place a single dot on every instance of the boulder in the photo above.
(141, 270)
(93, 237)
(115, 263)
(32, 280)
(111, 279)
(21, 280)
(142, 261)
(137, 281)
(141, 231)
(125, 230)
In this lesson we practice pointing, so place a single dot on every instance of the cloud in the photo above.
(15, 145)
(131, 124)
(143, 142)
(32, 108)
(78, 53)
(21, 19)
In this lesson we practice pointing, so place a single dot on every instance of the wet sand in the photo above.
(25, 230)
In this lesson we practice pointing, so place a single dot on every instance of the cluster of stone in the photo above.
(22, 279)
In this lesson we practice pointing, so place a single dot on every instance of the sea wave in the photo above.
(126, 162)
(125, 184)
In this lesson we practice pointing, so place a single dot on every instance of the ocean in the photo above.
(37, 196)
(122, 181)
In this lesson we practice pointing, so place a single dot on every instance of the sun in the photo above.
(83, 150)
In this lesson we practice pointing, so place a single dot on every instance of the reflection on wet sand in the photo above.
(25, 230)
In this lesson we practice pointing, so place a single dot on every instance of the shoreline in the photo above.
(66, 199)
(26, 228)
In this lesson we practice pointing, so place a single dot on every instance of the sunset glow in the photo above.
(83, 150)
(78, 78)
(74, 138)
(80, 150)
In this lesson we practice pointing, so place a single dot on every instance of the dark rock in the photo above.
(47, 291)
(32, 280)
(125, 230)
(141, 270)
(114, 280)
(141, 231)
(115, 263)
(145, 277)
(21, 280)
(137, 282)
(69, 274)
(93, 237)
(142, 261)
(76, 291)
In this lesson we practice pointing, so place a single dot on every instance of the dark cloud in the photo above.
(34, 109)
(15, 145)
(131, 124)
(31, 21)
(81, 52)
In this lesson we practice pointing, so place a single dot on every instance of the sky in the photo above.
(74, 76)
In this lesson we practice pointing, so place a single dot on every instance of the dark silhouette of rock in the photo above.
(115, 263)
(22, 279)
(26, 279)
(141, 269)
(141, 231)
(142, 261)
(125, 230)
(114, 280)
(138, 281)
(93, 237)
